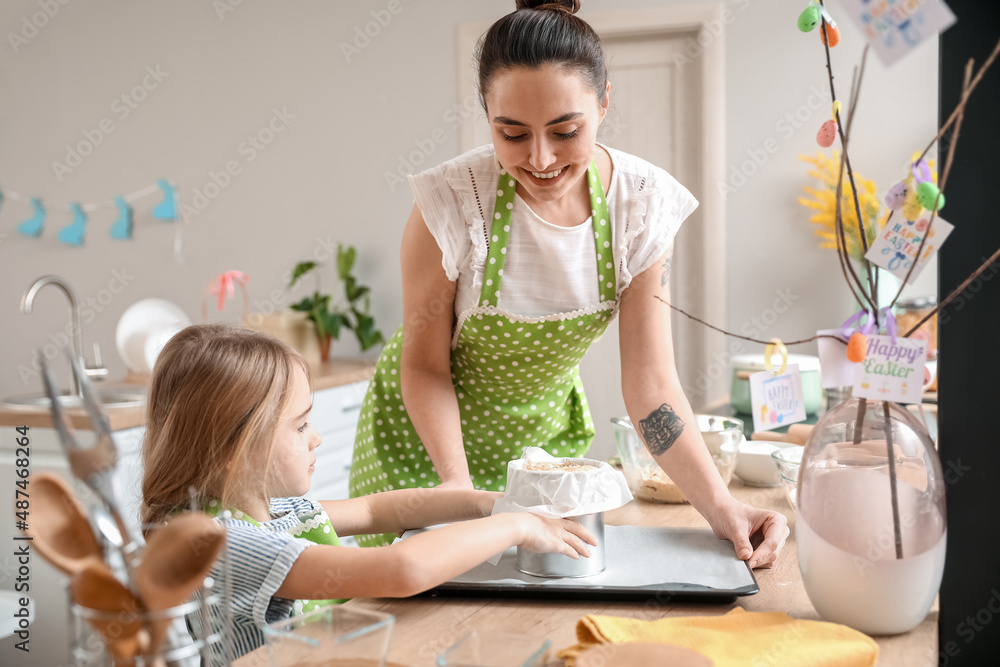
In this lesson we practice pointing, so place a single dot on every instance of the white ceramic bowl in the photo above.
(755, 466)
(147, 319)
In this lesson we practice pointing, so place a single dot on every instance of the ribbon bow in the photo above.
(848, 328)
(226, 286)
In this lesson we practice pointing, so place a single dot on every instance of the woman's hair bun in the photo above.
(570, 6)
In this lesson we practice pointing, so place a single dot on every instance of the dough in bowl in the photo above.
(558, 466)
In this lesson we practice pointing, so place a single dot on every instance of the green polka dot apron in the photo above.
(314, 526)
(517, 379)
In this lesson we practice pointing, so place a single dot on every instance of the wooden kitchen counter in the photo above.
(333, 373)
(427, 626)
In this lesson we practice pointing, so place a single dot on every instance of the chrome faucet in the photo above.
(76, 330)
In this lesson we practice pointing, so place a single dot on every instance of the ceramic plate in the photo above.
(141, 320)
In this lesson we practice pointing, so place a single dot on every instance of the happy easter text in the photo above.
(780, 396)
(893, 351)
(891, 359)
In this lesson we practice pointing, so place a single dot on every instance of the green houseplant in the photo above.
(327, 314)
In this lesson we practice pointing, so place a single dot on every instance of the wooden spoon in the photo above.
(59, 526)
(95, 588)
(174, 564)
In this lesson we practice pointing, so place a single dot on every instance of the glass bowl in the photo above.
(496, 649)
(788, 458)
(338, 633)
(646, 480)
(790, 485)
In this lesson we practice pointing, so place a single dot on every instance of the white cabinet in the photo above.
(335, 417)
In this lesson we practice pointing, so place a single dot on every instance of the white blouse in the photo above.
(647, 206)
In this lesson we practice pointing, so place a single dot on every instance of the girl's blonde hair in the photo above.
(215, 400)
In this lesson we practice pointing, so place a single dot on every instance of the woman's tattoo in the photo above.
(661, 429)
(665, 277)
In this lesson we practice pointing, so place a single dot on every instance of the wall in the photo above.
(351, 118)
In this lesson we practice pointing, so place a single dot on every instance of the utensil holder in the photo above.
(200, 629)
(196, 636)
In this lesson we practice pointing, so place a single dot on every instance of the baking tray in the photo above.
(643, 562)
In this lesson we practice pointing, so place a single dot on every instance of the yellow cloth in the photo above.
(739, 638)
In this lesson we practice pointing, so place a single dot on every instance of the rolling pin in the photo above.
(797, 433)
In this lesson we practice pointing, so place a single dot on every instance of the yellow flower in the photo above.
(823, 200)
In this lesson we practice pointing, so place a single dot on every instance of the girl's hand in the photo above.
(757, 534)
(558, 536)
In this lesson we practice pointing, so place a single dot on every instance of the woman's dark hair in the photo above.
(541, 32)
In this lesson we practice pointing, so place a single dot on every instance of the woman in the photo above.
(514, 261)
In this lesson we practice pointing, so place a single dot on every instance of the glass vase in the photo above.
(871, 525)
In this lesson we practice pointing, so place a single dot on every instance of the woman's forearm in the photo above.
(665, 421)
(432, 407)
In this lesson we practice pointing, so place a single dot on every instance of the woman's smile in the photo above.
(547, 178)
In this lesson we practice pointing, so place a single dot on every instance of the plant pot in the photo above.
(871, 528)
(324, 347)
(291, 327)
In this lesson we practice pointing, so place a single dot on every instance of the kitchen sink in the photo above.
(118, 397)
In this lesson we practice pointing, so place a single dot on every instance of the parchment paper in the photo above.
(638, 556)
(561, 494)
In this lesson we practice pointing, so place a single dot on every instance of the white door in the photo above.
(666, 107)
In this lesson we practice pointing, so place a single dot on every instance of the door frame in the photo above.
(702, 242)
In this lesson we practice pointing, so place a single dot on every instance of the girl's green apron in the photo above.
(517, 378)
(314, 526)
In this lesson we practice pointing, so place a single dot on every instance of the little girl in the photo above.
(228, 416)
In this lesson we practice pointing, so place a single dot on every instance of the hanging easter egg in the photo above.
(896, 196)
(830, 33)
(809, 18)
(857, 347)
(835, 109)
(911, 205)
(930, 196)
(827, 133)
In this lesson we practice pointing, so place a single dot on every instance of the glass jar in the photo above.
(911, 311)
(871, 527)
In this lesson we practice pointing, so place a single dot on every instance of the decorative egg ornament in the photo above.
(911, 206)
(857, 347)
(830, 33)
(827, 133)
(896, 196)
(809, 18)
(930, 196)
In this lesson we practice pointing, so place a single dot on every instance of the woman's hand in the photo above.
(556, 536)
(757, 534)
